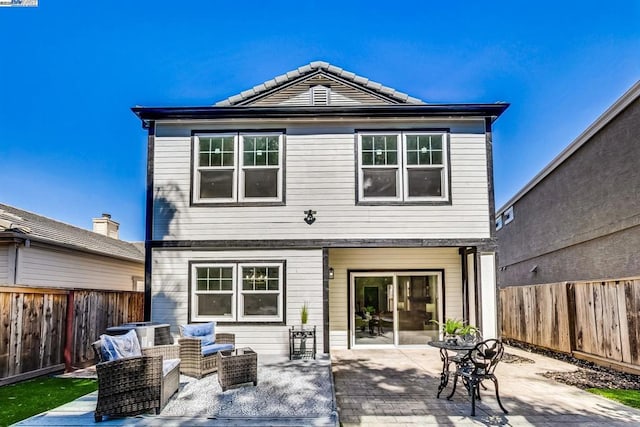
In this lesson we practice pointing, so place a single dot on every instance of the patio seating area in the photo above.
(371, 388)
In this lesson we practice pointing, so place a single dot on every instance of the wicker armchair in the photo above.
(193, 363)
(135, 385)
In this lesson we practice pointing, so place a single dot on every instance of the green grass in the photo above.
(23, 400)
(626, 397)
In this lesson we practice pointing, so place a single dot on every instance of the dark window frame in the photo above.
(238, 197)
(238, 263)
(402, 199)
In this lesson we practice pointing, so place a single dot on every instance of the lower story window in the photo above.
(239, 291)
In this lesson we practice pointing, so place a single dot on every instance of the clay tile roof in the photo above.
(312, 67)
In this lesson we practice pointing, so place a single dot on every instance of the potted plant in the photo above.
(468, 333)
(304, 318)
(304, 314)
(450, 328)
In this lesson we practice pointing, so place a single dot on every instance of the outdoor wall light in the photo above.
(330, 272)
(534, 270)
(310, 218)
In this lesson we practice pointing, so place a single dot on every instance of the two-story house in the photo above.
(321, 187)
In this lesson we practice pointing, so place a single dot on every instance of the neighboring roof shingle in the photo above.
(40, 228)
(299, 72)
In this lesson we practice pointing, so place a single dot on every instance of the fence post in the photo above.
(68, 345)
(571, 315)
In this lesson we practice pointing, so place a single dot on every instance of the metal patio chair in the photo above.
(476, 366)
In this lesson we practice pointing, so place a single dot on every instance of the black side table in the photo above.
(302, 343)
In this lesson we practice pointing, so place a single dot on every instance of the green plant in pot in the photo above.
(450, 328)
(468, 333)
(304, 318)
(304, 314)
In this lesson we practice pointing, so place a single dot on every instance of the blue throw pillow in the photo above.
(120, 346)
(205, 332)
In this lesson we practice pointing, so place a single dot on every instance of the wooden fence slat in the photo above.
(45, 330)
(632, 305)
(16, 332)
(5, 332)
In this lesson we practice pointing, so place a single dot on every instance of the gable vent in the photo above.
(320, 95)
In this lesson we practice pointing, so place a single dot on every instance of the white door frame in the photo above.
(439, 273)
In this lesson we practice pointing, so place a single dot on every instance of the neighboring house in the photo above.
(579, 218)
(324, 187)
(36, 251)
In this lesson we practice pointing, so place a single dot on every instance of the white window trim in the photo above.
(194, 292)
(361, 168)
(280, 316)
(237, 301)
(508, 215)
(499, 222)
(443, 169)
(402, 175)
(242, 167)
(238, 192)
(197, 168)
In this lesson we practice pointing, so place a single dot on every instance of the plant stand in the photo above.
(302, 343)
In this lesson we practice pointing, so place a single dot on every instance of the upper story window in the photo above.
(402, 167)
(238, 167)
(508, 215)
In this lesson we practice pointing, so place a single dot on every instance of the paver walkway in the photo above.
(398, 388)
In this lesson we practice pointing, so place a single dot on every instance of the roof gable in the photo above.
(319, 81)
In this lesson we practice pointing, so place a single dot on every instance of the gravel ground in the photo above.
(285, 389)
(587, 374)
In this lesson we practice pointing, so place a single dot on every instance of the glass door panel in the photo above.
(373, 310)
(417, 308)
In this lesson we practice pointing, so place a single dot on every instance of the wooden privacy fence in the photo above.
(42, 330)
(598, 321)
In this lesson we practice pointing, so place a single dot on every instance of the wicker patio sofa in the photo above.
(136, 385)
(192, 360)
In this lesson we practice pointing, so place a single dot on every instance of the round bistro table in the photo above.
(445, 347)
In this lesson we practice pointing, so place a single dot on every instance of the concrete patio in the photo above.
(398, 388)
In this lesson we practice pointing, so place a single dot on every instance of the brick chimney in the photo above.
(106, 226)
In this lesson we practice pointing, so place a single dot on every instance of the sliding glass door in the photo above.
(417, 308)
(394, 308)
(373, 310)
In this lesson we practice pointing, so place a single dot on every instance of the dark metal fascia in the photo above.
(429, 110)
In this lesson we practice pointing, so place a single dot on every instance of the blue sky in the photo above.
(70, 71)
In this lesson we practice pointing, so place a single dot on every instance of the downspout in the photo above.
(15, 264)
(478, 299)
(465, 283)
(325, 300)
(151, 127)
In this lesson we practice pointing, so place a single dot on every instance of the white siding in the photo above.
(342, 260)
(303, 284)
(46, 267)
(4, 265)
(321, 175)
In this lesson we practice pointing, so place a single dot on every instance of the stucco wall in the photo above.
(581, 222)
